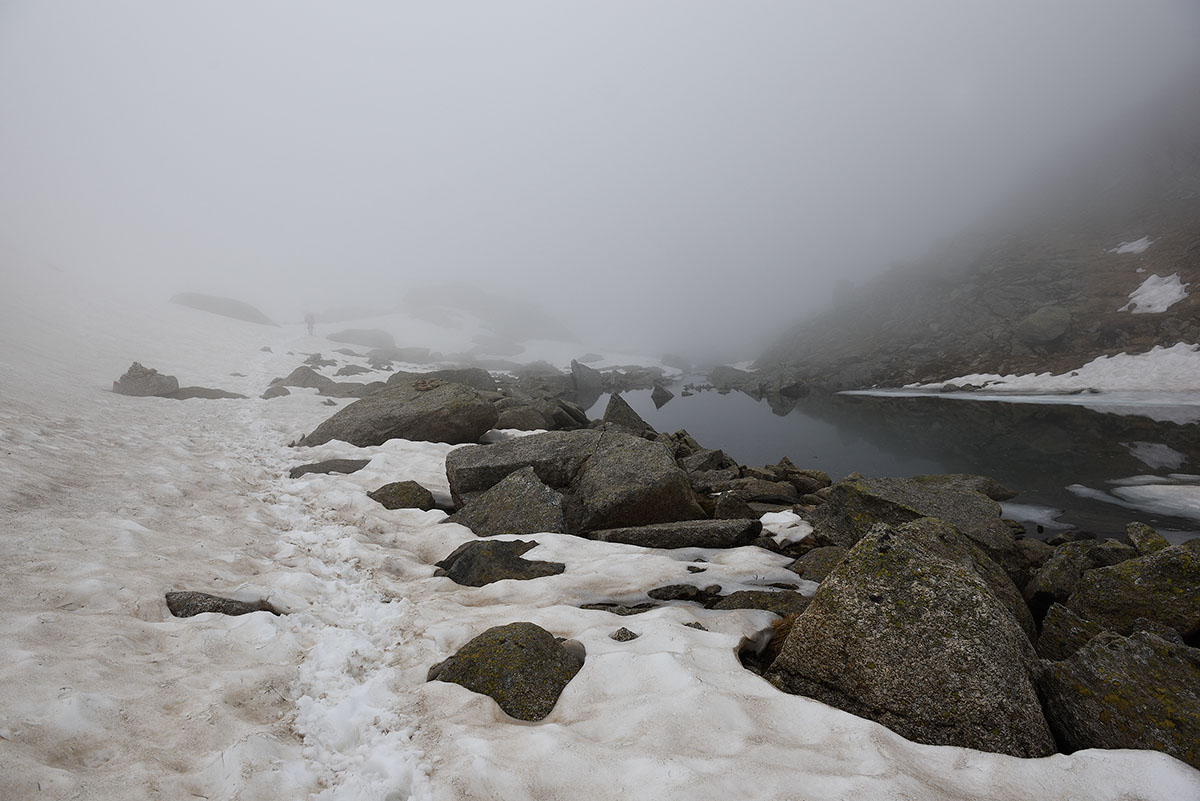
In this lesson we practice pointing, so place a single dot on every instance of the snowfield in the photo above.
(109, 501)
(1156, 294)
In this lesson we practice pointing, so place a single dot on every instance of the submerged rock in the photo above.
(521, 666)
(906, 631)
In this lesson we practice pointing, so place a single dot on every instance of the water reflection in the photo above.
(1037, 449)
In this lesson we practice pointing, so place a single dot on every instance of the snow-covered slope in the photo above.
(110, 501)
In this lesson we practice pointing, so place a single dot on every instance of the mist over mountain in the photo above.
(1047, 280)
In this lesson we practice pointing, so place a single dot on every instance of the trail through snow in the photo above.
(108, 502)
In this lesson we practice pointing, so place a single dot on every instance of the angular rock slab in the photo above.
(907, 633)
(1127, 692)
(521, 666)
(188, 604)
(475, 564)
(555, 457)
(684, 534)
(430, 412)
(329, 466)
(519, 504)
(1163, 586)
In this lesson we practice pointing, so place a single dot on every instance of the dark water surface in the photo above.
(1035, 449)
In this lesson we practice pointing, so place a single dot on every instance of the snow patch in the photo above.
(1135, 247)
(1156, 294)
(1155, 455)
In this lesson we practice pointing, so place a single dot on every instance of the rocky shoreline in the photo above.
(931, 614)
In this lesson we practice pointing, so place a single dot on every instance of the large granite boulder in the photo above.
(142, 382)
(907, 632)
(521, 666)
(620, 413)
(519, 504)
(589, 383)
(477, 563)
(608, 479)
(819, 562)
(1163, 586)
(1064, 632)
(855, 504)
(629, 481)
(1139, 691)
(473, 377)
(428, 411)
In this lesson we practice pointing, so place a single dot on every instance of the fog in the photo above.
(689, 175)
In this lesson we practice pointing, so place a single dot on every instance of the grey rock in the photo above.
(329, 466)
(142, 382)
(1127, 692)
(474, 377)
(1144, 539)
(589, 383)
(305, 377)
(187, 604)
(620, 413)
(275, 391)
(686, 592)
(522, 418)
(521, 666)
(1163, 586)
(623, 635)
(732, 506)
(685, 534)
(1044, 325)
(1064, 632)
(707, 459)
(907, 632)
(353, 369)
(477, 563)
(819, 562)
(429, 412)
(781, 602)
(1059, 576)
(518, 504)
(661, 396)
(367, 337)
(555, 456)
(205, 393)
(403, 495)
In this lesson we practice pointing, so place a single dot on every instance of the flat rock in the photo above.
(475, 564)
(781, 602)
(685, 534)
(187, 604)
(205, 393)
(819, 562)
(329, 466)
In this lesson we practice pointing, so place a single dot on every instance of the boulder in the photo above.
(1063, 633)
(329, 466)
(685, 534)
(142, 382)
(706, 459)
(518, 504)
(473, 377)
(1059, 576)
(819, 562)
(1144, 539)
(275, 391)
(304, 377)
(1127, 692)
(856, 503)
(1163, 586)
(907, 632)
(1044, 325)
(731, 506)
(620, 413)
(353, 369)
(404, 495)
(187, 604)
(477, 563)
(589, 383)
(521, 666)
(367, 337)
(522, 418)
(555, 456)
(629, 481)
(206, 393)
(623, 635)
(413, 410)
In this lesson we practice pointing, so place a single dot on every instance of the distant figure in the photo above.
(310, 320)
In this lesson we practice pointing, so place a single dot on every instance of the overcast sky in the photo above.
(713, 166)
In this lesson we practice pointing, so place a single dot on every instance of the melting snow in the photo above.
(110, 501)
(1136, 246)
(1156, 295)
